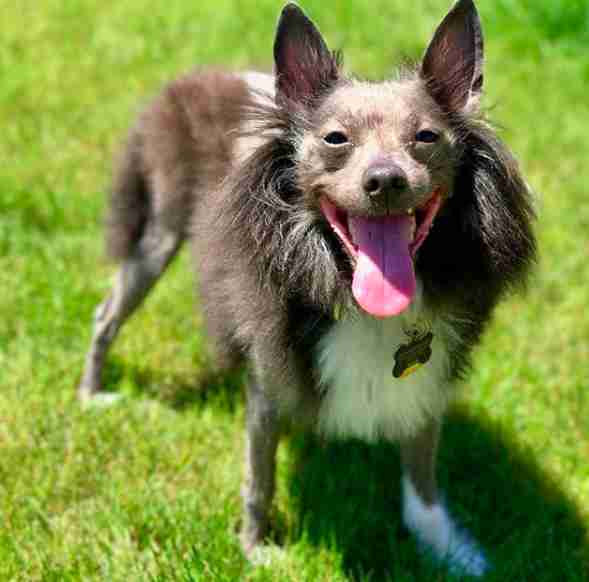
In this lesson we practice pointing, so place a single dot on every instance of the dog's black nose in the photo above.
(384, 179)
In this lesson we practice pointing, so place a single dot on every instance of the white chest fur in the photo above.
(362, 398)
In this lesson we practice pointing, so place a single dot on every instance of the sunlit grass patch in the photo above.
(149, 489)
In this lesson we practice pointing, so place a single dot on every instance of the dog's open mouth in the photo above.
(383, 249)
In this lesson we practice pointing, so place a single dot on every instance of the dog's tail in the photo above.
(129, 202)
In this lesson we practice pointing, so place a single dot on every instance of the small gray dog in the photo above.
(310, 198)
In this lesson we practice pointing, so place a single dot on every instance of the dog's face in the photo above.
(378, 149)
(378, 159)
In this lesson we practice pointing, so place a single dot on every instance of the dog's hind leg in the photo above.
(425, 515)
(138, 273)
(263, 431)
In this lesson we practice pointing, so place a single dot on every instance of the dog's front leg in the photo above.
(424, 513)
(263, 431)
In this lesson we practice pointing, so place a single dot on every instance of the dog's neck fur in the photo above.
(262, 90)
(361, 398)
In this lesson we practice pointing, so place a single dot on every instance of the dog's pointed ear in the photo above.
(304, 66)
(453, 63)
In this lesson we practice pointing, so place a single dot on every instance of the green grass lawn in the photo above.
(149, 489)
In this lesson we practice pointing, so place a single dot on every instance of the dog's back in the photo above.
(180, 148)
(178, 152)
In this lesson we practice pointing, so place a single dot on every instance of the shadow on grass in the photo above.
(221, 387)
(347, 497)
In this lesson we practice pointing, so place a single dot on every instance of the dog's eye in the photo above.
(427, 136)
(336, 138)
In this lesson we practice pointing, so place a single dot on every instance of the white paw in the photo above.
(464, 556)
(266, 555)
(101, 400)
(437, 533)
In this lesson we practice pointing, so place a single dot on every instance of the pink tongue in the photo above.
(384, 281)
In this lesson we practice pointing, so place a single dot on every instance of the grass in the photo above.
(149, 490)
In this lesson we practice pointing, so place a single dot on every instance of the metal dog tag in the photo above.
(411, 356)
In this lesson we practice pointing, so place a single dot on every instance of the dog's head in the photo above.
(379, 159)
(342, 196)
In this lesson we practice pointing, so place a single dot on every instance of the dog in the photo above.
(351, 238)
